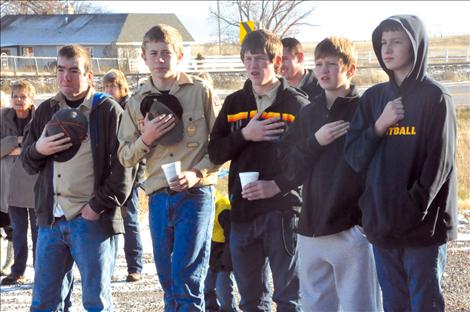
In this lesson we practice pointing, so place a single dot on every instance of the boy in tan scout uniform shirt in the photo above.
(180, 212)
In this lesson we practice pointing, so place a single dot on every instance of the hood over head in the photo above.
(416, 32)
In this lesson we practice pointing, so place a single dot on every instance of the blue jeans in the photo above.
(270, 238)
(132, 241)
(410, 278)
(181, 229)
(58, 246)
(219, 291)
(19, 223)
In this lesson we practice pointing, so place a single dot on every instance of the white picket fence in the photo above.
(46, 66)
(364, 59)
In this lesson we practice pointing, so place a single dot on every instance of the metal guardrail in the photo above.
(46, 66)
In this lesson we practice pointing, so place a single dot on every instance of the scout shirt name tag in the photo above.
(191, 128)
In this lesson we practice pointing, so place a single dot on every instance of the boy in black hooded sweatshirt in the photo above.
(404, 134)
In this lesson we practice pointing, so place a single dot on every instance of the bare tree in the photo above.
(283, 17)
(48, 7)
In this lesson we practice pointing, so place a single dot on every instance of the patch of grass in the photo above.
(463, 157)
(368, 76)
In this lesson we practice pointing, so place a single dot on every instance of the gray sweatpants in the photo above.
(337, 273)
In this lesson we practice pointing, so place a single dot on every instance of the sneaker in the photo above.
(134, 277)
(13, 279)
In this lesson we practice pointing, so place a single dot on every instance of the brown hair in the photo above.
(293, 45)
(336, 46)
(76, 51)
(116, 76)
(24, 85)
(166, 34)
(261, 41)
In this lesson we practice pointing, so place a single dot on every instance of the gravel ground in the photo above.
(146, 295)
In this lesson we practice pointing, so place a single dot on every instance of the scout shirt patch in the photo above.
(191, 128)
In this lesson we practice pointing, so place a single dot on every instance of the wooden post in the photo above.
(36, 65)
(14, 66)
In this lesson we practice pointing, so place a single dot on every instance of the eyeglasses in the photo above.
(21, 97)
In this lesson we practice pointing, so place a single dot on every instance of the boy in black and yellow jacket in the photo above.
(247, 133)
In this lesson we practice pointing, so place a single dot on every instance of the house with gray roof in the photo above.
(108, 35)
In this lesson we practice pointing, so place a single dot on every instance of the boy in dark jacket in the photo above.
(115, 84)
(293, 68)
(77, 199)
(404, 135)
(336, 267)
(247, 133)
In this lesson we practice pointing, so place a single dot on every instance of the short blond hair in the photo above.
(166, 34)
(337, 47)
(24, 85)
(116, 76)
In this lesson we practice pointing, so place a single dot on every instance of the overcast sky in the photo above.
(352, 19)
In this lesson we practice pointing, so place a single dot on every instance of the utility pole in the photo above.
(218, 28)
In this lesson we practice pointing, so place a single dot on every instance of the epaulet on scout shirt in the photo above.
(266, 115)
(140, 85)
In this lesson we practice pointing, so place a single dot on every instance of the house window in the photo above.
(27, 51)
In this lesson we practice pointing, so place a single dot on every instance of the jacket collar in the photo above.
(59, 99)
(248, 87)
(349, 98)
(181, 79)
(10, 113)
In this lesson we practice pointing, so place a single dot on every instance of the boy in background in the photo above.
(293, 68)
(247, 133)
(336, 266)
(17, 192)
(219, 288)
(181, 212)
(115, 84)
(403, 134)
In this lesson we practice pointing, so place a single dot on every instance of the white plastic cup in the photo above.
(171, 170)
(248, 177)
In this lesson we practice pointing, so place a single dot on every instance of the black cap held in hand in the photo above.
(74, 124)
(158, 104)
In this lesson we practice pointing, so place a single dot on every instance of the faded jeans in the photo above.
(58, 246)
(181, 229)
